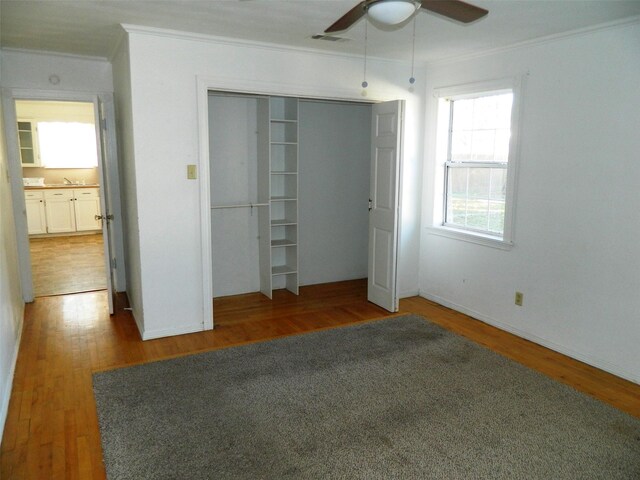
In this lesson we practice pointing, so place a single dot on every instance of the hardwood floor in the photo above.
(67, 264)
(52, 429)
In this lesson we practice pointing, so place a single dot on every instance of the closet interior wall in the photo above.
(324, 149)
(335, 164)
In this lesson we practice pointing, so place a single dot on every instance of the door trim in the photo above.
(9, 96)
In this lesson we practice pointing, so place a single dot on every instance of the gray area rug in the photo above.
(396, 398)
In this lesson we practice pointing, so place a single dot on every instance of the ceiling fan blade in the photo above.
(455, 9)
(348, 19)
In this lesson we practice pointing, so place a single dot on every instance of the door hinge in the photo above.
(113, 263)
(103, 123)
(370, 204)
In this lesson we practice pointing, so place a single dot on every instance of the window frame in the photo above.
(444, 98)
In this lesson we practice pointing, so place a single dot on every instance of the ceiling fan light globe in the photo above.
(392, 12)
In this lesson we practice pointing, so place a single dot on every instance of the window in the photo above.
(67, 145)
(475, 143)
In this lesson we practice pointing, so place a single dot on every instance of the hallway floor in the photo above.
(68, 264)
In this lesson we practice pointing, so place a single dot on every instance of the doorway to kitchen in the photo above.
(59, 152)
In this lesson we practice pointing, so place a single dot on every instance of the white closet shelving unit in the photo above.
(278, 182)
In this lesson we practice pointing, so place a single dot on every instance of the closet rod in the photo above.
(247, 205)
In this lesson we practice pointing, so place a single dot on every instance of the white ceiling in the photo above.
(91, 27)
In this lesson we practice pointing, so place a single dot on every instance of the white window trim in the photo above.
(476, 89)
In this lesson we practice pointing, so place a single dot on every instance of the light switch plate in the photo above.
(192, 173)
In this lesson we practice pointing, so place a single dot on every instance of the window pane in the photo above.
(479, 183)
(496, 217)
(476, 198)
(481, 129)
(25, 140)
(67, 145)
(26, 155)
(463, 118)
(482, 145)
(498, 189)
(501, 149)
(461, 146)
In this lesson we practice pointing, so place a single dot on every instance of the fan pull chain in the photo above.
(412, 79)
(365, 84)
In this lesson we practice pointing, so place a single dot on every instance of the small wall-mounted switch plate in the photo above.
(519, 298)
(192, 173)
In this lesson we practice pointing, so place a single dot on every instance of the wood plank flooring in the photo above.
(67, 264)
(52, 429)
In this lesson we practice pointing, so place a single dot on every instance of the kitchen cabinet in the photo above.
(61, 217)
(86, 203)
(62, 210)
(36, 216)
(28, 143)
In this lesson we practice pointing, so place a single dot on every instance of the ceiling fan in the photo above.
(393, 12)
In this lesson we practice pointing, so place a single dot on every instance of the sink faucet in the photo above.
(67, 181)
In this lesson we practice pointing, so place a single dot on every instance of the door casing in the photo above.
(107, 171)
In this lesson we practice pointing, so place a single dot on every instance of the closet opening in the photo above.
(289, 190)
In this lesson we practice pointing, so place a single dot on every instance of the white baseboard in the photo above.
(6, 388)
(408, 293)
(589, 359)
(170, 332)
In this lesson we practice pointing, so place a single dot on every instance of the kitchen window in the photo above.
(67, 145)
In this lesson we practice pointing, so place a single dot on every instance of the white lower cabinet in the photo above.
(62, 210)
(61, 217)
(87, 205)
(36, 216)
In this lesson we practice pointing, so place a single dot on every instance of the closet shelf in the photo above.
(283, 199)
(282, 120)
(239, 205)
(282, 221)
(275, 172)
(283, 270)
(284, 143)
(283, 243)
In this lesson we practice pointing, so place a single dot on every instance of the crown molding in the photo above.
(625, 22)
(55, 54)
(235, 42)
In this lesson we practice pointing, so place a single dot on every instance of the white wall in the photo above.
(164, 71)
(11, 304)
(576, 256)
(33, 71)
(334, 164)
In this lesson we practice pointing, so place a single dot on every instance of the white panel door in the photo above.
(386, 135)
(103, 195)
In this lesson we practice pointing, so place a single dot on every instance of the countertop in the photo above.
(48, 187)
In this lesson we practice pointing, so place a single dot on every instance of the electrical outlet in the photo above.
(519, 298)
(192, 173)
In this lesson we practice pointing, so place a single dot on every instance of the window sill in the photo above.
(466, 236)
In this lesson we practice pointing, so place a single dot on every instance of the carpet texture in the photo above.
(396, 398)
